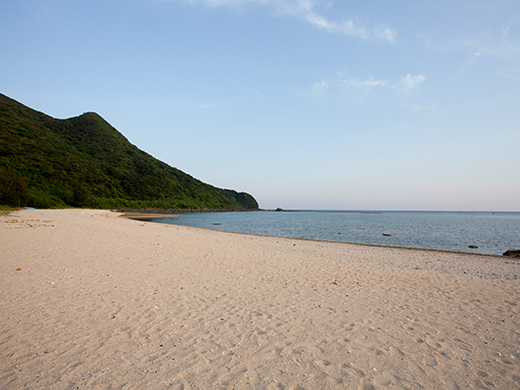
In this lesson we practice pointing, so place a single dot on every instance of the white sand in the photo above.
(106, 302)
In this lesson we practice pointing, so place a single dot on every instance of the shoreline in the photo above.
(145, 218)
(104, 301)
(179, 211)
(149, 218)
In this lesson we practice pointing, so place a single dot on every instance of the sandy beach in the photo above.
(94, 300)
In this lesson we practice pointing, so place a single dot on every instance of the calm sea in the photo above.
(491, 232)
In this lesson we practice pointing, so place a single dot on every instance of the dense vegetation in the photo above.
(85, 162)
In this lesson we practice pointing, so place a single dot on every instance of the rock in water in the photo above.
(512, 253)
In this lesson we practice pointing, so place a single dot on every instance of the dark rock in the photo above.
(512, 253)
(473, 246)
(387, 235)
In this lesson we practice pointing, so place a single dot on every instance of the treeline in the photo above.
(85, 162)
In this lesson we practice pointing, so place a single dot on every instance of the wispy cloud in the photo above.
(260, 95)
(306, 10)
(409, 83)
(505, 48)
(339, 84)
(329, 86)
(252, 92)
(511, 74)
(502, 44)
(319, 89)
(370, 82)
(350, 27)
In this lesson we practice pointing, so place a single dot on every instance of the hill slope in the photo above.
(85, 162)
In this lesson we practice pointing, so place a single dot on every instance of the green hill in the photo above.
(85, 162)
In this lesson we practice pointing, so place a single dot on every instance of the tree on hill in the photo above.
(13, 189)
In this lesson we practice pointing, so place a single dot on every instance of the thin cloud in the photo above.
(511, 74)
(371, 82)
(498, 44)
(261, 95)
(256, 93)
(331, 86)
(351, 28)
(319, 89)
(386, 33)
(505, 48)
(409, 82)
(305, 10)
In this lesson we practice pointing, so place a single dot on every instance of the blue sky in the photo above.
(305, 104)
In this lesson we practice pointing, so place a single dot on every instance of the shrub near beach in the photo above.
(13, 190)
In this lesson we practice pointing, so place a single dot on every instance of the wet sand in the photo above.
(92, 300)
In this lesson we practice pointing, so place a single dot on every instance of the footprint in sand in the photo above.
(430, 361)
(464, 345)
(450, 384)
(367, 385)
(355, 371)
(389, 381)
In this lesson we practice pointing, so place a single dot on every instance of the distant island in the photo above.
(85, 162)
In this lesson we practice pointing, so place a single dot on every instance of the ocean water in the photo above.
(491, 232)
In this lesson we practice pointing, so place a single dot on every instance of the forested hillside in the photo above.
(85, 162)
